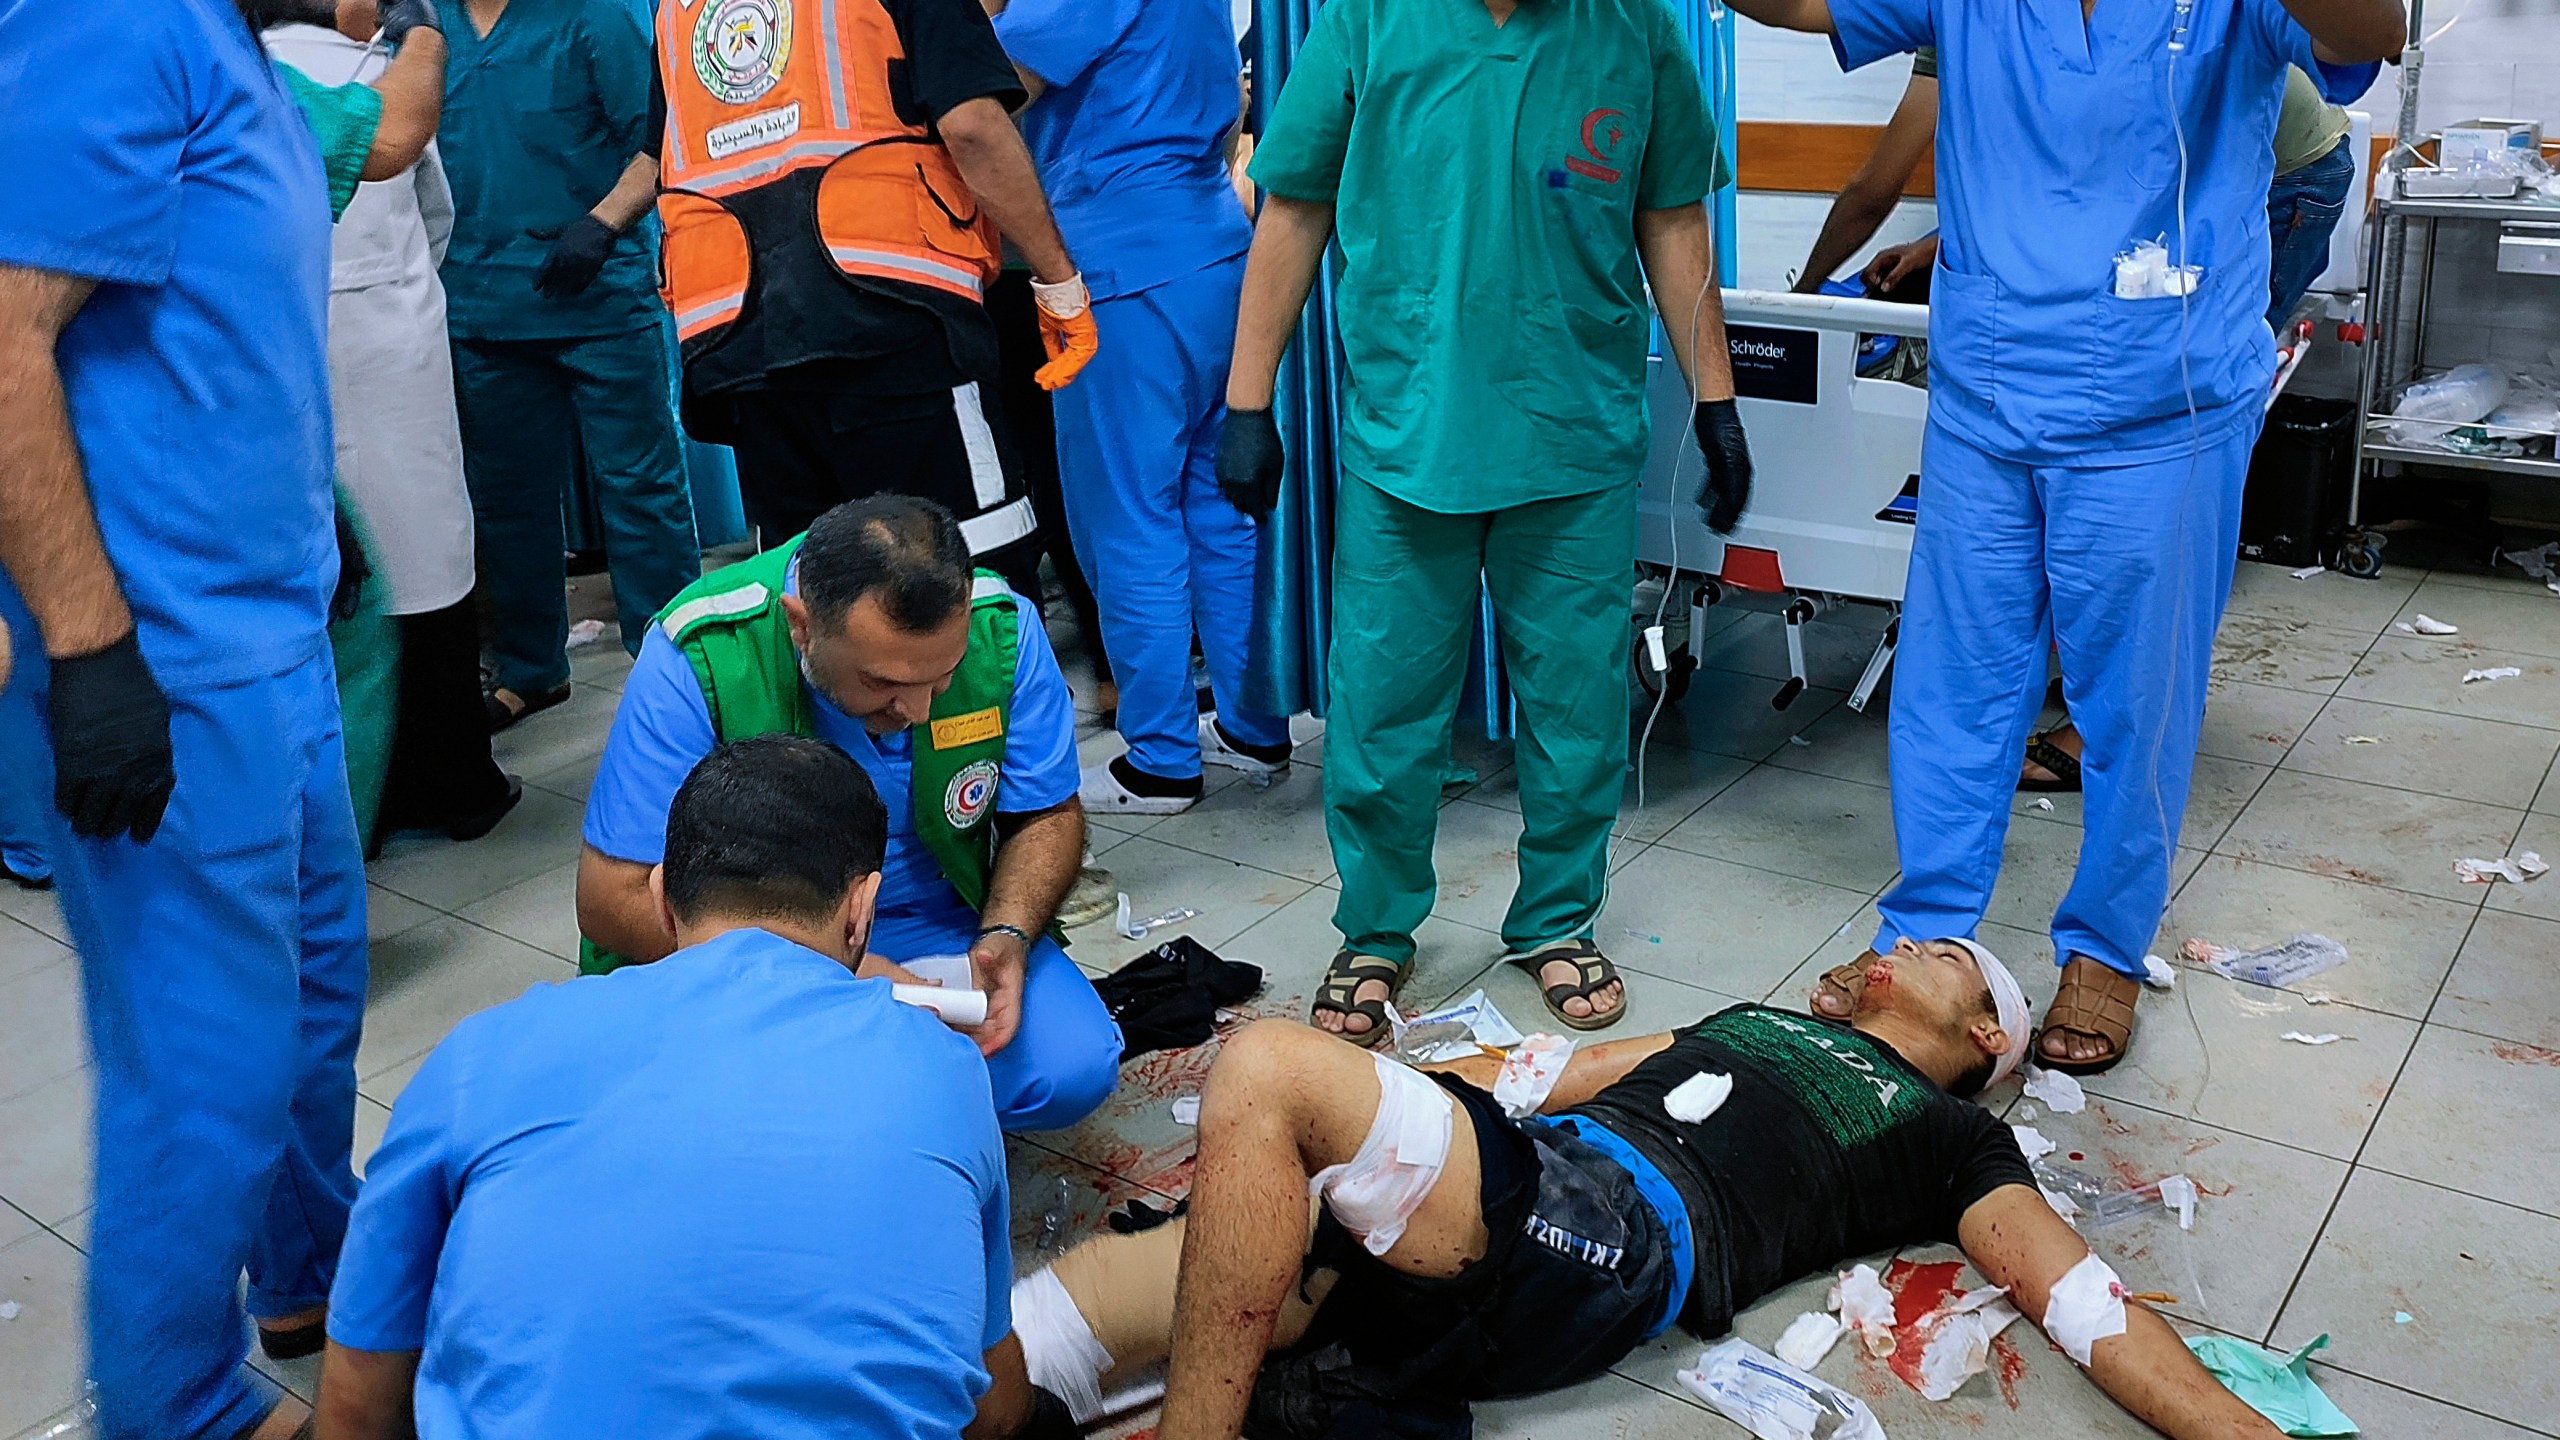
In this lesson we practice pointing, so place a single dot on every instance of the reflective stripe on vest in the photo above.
(916, 268)
(760, 90)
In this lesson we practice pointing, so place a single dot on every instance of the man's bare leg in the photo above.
(1123, 1289)
(1282, 1103)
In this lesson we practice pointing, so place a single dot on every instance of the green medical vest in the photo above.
(730, 626)
(1485, 181)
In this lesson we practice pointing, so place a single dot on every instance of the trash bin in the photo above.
(2295, 506)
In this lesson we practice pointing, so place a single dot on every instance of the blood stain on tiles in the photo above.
(1918, 1289)
(2339, 870)
(2524, 1054)
(2009, 1366)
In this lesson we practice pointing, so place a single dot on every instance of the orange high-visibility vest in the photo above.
(761, 90)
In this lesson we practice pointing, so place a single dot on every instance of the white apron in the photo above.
(390, 366)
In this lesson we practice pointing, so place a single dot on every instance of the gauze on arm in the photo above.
(1378, 1189)
(2084, 1307)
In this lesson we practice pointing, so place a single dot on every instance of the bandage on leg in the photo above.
(2084, 1307)
(1376, 1192)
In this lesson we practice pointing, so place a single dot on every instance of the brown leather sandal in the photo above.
(1340, 988)
(1593, 973)
(1836, 994)
(2093, 1001)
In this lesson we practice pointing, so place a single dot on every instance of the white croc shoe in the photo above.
(1214, 750)
(1105, 795)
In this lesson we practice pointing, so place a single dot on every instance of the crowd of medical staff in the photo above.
(332, 334)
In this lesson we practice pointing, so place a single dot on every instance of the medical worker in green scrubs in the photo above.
(1504, 178)
(560, 361)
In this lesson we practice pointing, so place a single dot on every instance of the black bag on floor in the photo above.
(1168, 998)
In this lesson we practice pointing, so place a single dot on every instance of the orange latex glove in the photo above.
(1066, 331)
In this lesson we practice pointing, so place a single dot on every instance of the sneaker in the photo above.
(1267, 763)
(1094, 896)
(1117, 787)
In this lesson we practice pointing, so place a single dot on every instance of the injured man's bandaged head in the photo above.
(1952, 985)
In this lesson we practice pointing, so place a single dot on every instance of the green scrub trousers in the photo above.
(1405, 581)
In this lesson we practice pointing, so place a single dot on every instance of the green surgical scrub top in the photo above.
(540, 117)
(342, 118)
(1485, 181)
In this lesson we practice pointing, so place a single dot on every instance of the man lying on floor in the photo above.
(1458, 1255)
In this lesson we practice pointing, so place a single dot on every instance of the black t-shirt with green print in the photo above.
(1831, 1145)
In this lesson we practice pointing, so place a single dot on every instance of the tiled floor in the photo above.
(2399, 1191)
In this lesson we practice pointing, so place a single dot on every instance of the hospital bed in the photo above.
(1836, 475)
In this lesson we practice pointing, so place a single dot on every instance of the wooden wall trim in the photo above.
(1809, 158)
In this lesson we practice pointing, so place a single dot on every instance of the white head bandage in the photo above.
(1378, 1189)
(2084, 1307)
(2009, 1001)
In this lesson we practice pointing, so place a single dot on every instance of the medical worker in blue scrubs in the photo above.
(165, 519)
(1060, 1056)
(2080, 481)
(1132, 103)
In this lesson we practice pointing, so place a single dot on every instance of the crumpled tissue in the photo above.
(2515, 869)
(2061, 1093)
(2279, 1388)
(1956, 1339)
(1809, 1338)
(1864, 1305)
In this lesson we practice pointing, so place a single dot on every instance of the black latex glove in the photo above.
(1727, 486)
(398, 17)
(1249, 462)
(575, 258)
(112, 765)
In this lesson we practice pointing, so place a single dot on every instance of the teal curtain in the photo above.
(1293, 592)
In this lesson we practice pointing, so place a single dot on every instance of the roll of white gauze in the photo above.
(965, 1008)
(952, 972)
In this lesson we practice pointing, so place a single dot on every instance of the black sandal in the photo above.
(502, 714)
(1596, 973)
(1339, 992)
(2061, 763)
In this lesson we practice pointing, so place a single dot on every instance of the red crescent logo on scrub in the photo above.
(1601, 137)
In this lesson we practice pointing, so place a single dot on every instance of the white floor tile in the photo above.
(1722, 927)
(41, 1032)
(2318, 1098)
(1811, 826)
(538, 835)
(2400, 945)
(24, 950)
(2474, 1114)
(2474, 1277)
(45, 1149)
(42, 1351)
(428, 979)
(2488, 761)
(2502, 984)
(2348, 830)
(542, 911)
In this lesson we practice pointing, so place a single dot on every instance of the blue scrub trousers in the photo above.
(23, 804)
(1167, 554)
(1065, 1057)
(223, 967)
(2124, 569)
(534, 412)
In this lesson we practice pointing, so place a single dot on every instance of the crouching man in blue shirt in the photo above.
(660, 1202)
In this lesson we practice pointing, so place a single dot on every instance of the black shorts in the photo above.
(1577, 1273)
